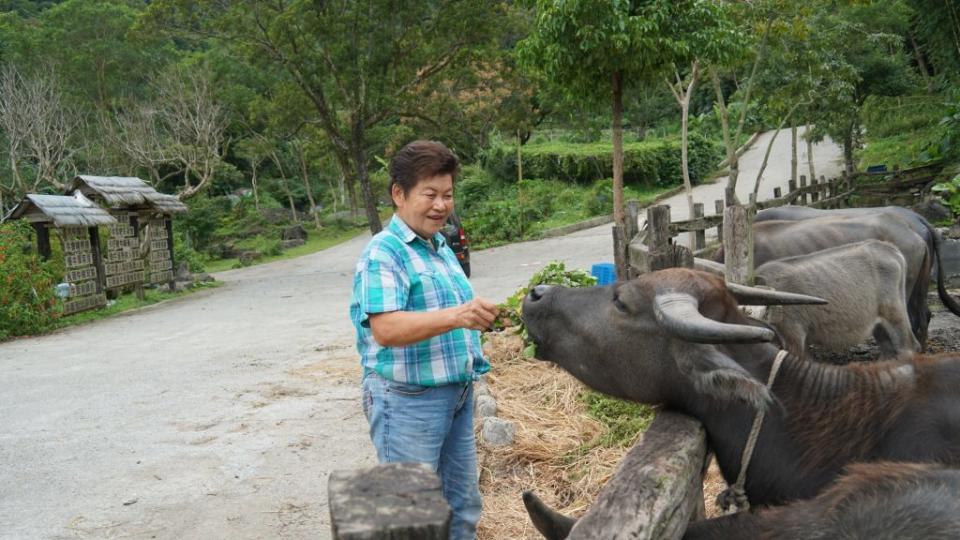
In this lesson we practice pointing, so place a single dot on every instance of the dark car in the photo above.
(456, 238)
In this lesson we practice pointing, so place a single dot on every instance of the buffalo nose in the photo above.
(537, 292)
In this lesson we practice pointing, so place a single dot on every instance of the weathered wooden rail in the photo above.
(657, 488)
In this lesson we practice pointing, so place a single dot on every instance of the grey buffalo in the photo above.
(864, 285)
(678, 338)
(795, 230)
(876, 501)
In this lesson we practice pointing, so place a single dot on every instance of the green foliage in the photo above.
(949, 148)
(182, 252)
(201, 222)
(624, 419)
(27, 303)
(937, 27)
(651, 162)
(580, 44)
(554, 273)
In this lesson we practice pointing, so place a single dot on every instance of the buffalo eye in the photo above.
(620, 305)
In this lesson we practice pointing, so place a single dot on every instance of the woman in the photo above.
(417, 323)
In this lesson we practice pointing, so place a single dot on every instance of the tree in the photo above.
(867, 58)
(255, 149)
(39, 128)
(358, 63)
(195, 125)
(597, 49)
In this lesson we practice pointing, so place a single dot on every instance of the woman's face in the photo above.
(428, 204)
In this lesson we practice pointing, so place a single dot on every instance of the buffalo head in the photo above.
(648, 338)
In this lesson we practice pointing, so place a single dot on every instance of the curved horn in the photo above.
(755, 296)
(677, 313)
(551, 524)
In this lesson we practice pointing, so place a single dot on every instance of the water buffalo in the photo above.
(677, 337)
(879, 501)
(888, 223)
(864, 286)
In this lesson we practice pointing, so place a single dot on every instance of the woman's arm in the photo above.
(399, 328)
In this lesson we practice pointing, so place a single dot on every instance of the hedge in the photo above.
(650, 162)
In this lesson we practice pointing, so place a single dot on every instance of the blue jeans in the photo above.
(432, 425)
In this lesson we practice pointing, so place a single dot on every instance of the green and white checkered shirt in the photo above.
(400, 271)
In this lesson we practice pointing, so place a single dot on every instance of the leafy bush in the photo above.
(600, 199)
(27, 301)
(554, 273)
(184, 253)
(650, 162)
(200, 223)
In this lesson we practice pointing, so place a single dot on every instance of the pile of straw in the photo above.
(555, 452)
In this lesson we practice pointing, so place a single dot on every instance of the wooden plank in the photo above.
(699, 236)
(736, 248)
(395, 501)
(633, 214)
(657, 487)
(718, 210)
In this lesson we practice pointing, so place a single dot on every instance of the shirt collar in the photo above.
(400, 228)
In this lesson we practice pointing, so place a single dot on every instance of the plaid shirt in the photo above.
(400, 271)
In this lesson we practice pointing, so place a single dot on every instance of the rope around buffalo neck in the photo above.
(734, 498)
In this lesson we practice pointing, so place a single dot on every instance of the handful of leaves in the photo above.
(554, 273)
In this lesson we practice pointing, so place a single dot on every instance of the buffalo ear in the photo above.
(552, 524)
(716, 374)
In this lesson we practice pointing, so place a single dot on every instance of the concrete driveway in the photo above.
(216, 415)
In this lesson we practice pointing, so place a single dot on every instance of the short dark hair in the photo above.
(419, 160)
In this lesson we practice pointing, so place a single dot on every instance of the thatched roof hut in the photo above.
(61, 210)
(126, 193)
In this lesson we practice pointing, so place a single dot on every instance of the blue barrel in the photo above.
(606, 273)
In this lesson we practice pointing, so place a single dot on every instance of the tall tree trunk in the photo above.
(793, 153)
(813, 172)
(253, 182)
(360, 161)
(619, 210)
(306, 186)
(922, 66)
(732, 160)
(766, 156)
(682, 95)
(848, 150)
(286, 186)
(519, 159)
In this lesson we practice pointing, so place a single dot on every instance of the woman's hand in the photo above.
(477, 314)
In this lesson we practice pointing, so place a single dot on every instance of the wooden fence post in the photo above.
(803, 184)
(791, 188)
(633, 212)
(718, 208)
(700, 237)
(815, 196)
(620, 244)
(662, 253)
(736, 251)
(396, 501)
(777, 193)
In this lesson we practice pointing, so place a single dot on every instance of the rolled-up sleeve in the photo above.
(382, 287)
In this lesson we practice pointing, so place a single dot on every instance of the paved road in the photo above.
(216, 415)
